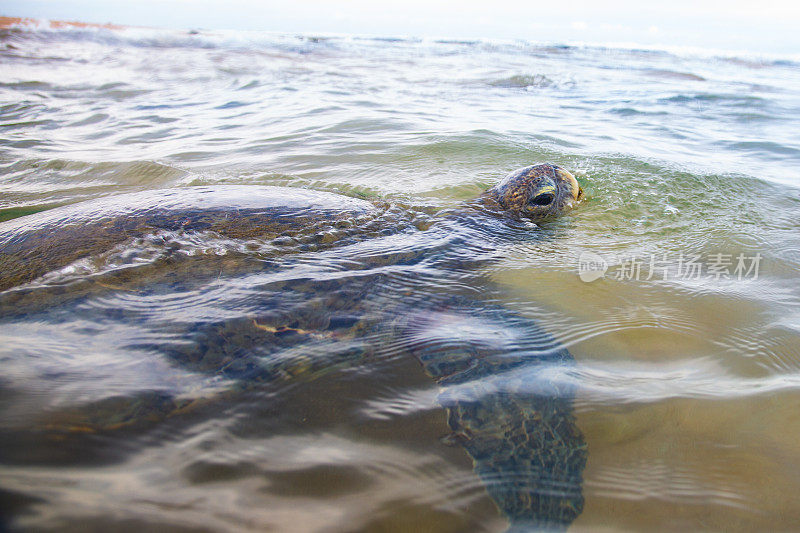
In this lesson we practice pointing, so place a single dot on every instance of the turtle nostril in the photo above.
(543, 199)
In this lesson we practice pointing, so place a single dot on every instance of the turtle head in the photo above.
(537, 192)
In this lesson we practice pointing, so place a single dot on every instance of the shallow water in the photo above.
(147, 385)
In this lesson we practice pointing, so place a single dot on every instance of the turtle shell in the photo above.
(297, 284)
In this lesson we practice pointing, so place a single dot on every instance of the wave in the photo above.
(524, 81)
(310, 42)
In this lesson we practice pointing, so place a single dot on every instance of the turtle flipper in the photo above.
(516, 423)
(528, 452)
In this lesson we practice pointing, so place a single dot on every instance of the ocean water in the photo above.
(193, 379)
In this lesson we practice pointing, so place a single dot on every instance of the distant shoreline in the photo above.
(11, 22)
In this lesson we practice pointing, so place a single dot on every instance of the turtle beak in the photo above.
(577, 192)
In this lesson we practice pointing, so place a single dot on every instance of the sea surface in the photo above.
(190, 380)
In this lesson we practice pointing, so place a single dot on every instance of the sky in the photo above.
(761, 27)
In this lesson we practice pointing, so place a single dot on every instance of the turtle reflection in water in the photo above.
(316, 281)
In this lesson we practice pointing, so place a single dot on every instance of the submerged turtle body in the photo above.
(318, 281)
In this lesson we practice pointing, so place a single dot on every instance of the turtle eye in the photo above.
(543, 199)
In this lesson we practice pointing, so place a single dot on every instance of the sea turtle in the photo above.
(296, 282)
